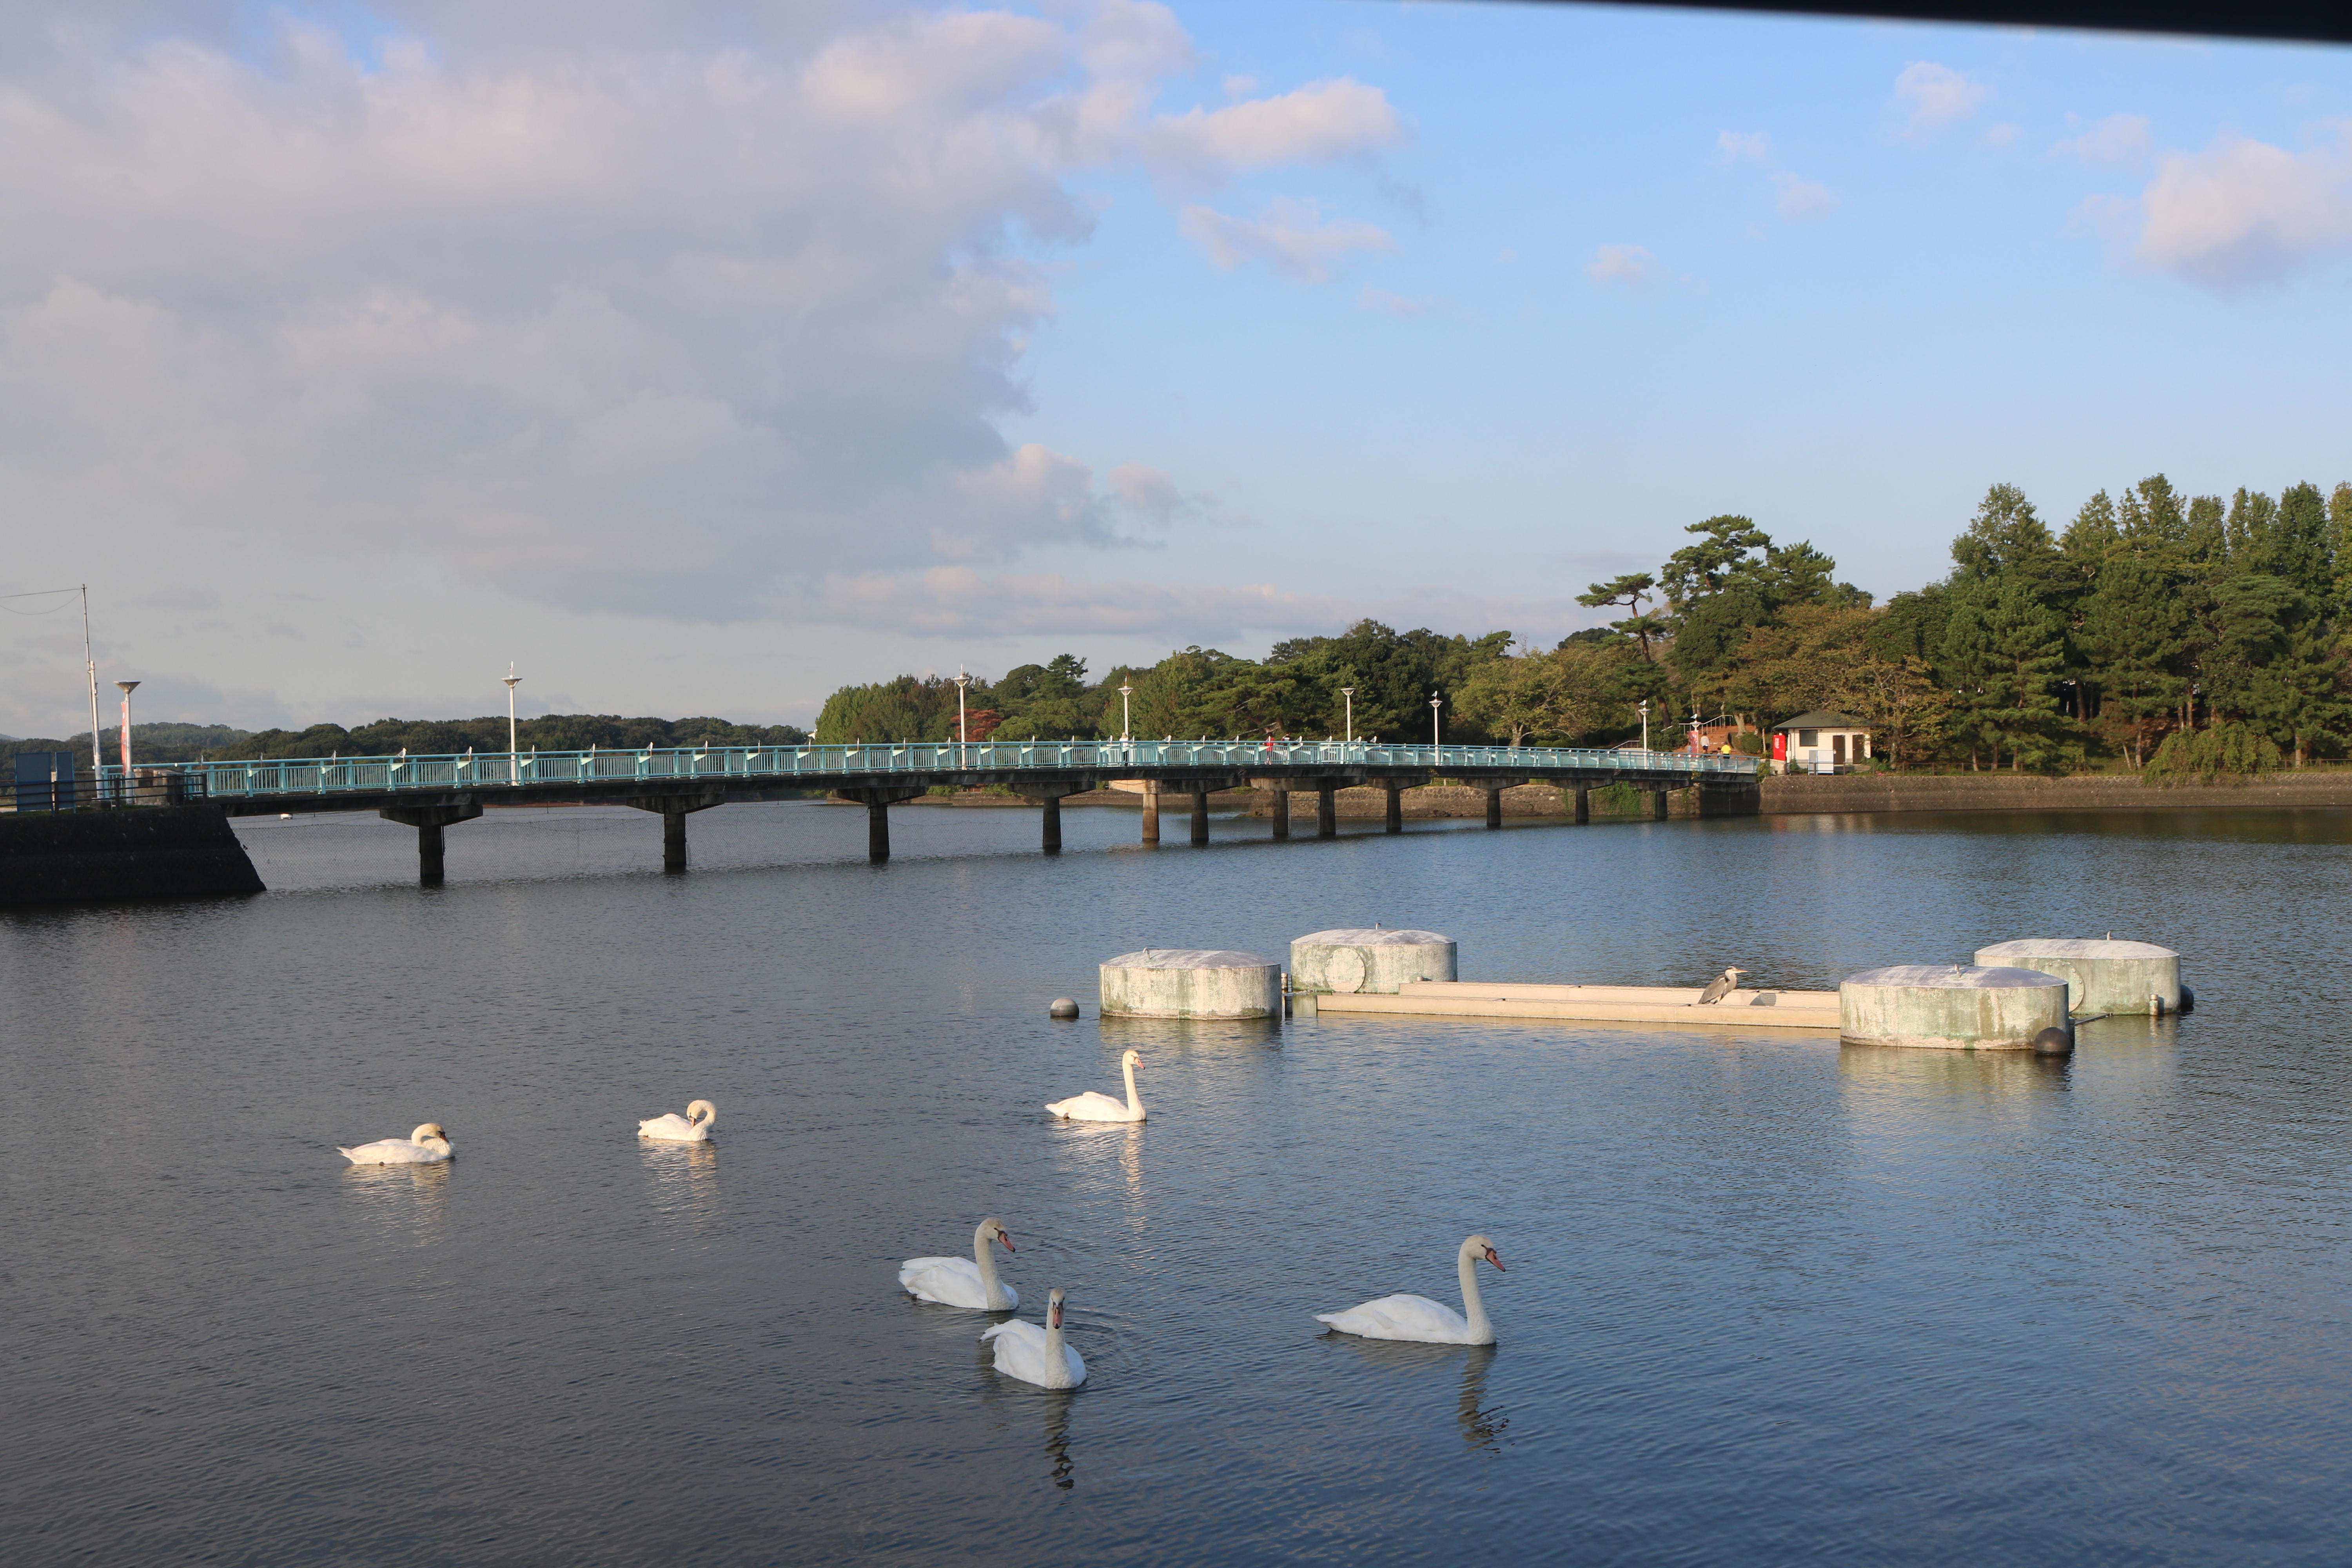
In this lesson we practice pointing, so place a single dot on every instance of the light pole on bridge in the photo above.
(514, 772)
(1350, 693)
(962, 734)
(1645, 723)
(1433, 741)
(1125, 739)
(126, 687)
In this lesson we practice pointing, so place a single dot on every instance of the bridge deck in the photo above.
(747, 774)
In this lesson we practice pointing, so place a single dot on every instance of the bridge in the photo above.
(434, 793)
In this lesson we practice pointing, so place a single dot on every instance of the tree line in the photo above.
(2175, 633)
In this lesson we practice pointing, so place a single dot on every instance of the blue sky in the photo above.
(701, 358)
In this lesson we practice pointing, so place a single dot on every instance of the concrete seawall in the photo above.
(2087, 792)
(1809, 795)
(137, 852)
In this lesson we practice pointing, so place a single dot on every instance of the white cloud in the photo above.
(1290, 235)
(1632, 265)
(1933, 99)
(1390, 304)
(2245, 212)
(2003, 135)
(1322, 123)
(1153, 495)
(954, 601)
(2120, 141)
(1798, 200)
(611, 323)
(1742, 147)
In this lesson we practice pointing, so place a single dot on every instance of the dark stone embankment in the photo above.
(1800, 794)
(135, 852)
(1795, 796)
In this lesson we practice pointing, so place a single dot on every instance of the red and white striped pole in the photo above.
(127, 687)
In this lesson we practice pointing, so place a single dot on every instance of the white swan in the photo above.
(694, 1127)
(1037, 1356)
(1094, 1107)
(963, 1281)
(422, 1147)
(1419, 1317)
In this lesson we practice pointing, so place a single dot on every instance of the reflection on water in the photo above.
(1058, 1437)
(1483, 1425)
(685, 1181)
(411, 1200)
(1916, 1076)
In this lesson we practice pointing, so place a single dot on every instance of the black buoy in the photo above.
(2054, 1041)
(1062, 1007)
(2187, 1000)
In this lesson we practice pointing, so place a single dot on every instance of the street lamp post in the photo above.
(963, 733)
(1125, 737)
(514, 772)
(1350, 693)
(1645, 723)
(126, 687)
(1433, 742)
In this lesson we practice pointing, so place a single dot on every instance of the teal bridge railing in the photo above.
(822, 765)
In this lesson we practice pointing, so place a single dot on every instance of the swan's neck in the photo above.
(1134, 1101)
(990, 1291)
(1057, 1360)
(706, 1118)
(1482, 1332)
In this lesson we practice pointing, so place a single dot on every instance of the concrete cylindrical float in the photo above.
(2104, 977)
(1374, 961)
(1191, 983)
(1950, 1006)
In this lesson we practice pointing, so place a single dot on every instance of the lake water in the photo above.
(1768, 1300)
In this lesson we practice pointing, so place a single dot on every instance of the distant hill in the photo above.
(163, 743)
(171, 742)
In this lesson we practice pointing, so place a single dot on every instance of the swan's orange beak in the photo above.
(1496, 1261)
(1056, 1322)
(1006, 1239)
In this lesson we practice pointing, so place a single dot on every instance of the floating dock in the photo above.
(1742, 1009)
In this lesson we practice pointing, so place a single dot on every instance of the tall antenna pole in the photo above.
(96, 755)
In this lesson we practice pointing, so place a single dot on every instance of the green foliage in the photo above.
(1616, 800)
(2202, 756)
(910, 708)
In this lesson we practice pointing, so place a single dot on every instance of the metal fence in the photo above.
(493, 770)
(112, 787)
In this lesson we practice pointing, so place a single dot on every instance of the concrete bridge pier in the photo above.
(1581, 808)
(1658, 806)
(673, 809)
(877, 803)
(428, 821)
(1050, 838)
(1280, 789)
(1494, 789)
(1151, 811)
(1199, 816)
(1326, 809)
(1394, 822)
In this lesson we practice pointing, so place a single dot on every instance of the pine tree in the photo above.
(2025, 642)
(2135, 629)
(2299, 549)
